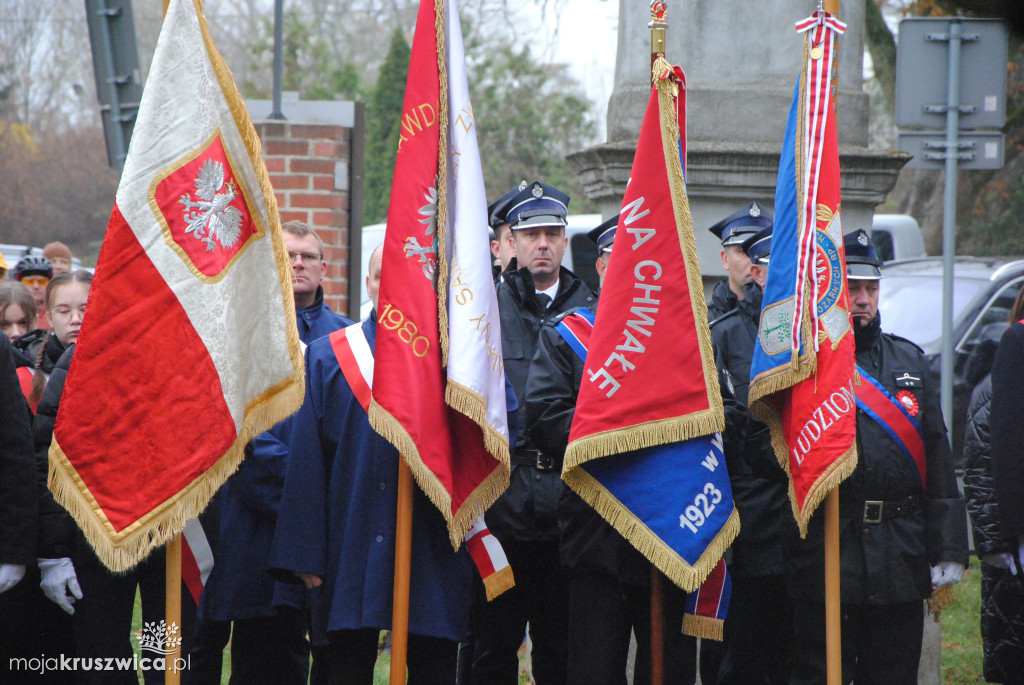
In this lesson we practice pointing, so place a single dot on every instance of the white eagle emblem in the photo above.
(212, 216)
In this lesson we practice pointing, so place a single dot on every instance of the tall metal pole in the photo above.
(278, 57)
(949, 216)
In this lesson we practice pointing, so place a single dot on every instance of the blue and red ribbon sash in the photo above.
(878, 403)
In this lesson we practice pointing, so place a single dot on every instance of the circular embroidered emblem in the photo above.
(909, 402)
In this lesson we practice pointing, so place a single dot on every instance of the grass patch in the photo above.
(961, 633)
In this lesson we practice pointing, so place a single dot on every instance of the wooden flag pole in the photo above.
(833, 621)
(172, 675)
(172, 579)
(657, 26)
(403, 567)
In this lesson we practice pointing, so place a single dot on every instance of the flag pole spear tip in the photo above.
(657, 26)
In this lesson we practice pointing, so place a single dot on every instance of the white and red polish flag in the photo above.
(189, 347)
(439, 383)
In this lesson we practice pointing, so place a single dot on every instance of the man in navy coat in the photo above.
(336, 527)
(269, 637)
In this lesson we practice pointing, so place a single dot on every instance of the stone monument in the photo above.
(741, 61)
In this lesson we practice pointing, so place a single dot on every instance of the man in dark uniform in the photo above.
(902, 524)
(534, 288)
(609, 580)
(732, 231)
(758, 638)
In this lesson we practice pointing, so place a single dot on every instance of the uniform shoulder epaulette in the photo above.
(902, 339)
(723, 317)
(561, 315)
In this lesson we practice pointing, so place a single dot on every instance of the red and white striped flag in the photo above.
(189, 347)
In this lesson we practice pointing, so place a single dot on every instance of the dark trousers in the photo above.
(758, 633)
(271, 650)
(31, 626)
(103, 617)
(881, 643)
(540, 598)
(604, 611)
(351, 655)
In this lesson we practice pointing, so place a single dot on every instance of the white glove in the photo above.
(947, 573)
(1020, 549)
(1001, 560)
(10, 575)
(58, 577)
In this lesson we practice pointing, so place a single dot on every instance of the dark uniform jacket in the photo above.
(723, 300)
(57, 530)
(588, 543)
(19, 506)
(889, 562)
(527, 510)
(760, 490)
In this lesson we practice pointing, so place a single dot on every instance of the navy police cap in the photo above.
(497, 210)
(862, 262)
(538, 205)
(604, 235)
(758, 246)
(737, 227)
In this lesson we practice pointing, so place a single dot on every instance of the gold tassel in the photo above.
(704, 627)
(499, 582)
(941, 599)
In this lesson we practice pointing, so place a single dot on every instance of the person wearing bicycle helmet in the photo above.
(35, 272)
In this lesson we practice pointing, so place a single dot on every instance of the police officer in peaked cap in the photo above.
(534, 288)
(902, 525)
(732, 231)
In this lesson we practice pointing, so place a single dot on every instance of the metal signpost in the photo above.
(951, 77)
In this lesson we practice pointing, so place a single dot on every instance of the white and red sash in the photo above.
(355, 358)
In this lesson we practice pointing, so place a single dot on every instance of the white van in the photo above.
(897, 236)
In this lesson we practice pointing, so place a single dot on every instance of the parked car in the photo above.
(910, 302)
(12, 253)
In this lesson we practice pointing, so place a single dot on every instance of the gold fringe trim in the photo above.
(637, 437)
(704, 627)
(441, 280)
(120, 551)
(472, 404)
(476, 503)
(499, 582)
(941, 599)
(664, 558)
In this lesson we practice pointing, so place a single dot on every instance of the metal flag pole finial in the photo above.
(657, 26)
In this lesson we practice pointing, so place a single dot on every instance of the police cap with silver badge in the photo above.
(862, 262)
(604, 235)
(497, 210)
(737, 227)
(759, 246)
(538, 205)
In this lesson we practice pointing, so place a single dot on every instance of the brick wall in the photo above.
(309, 169)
